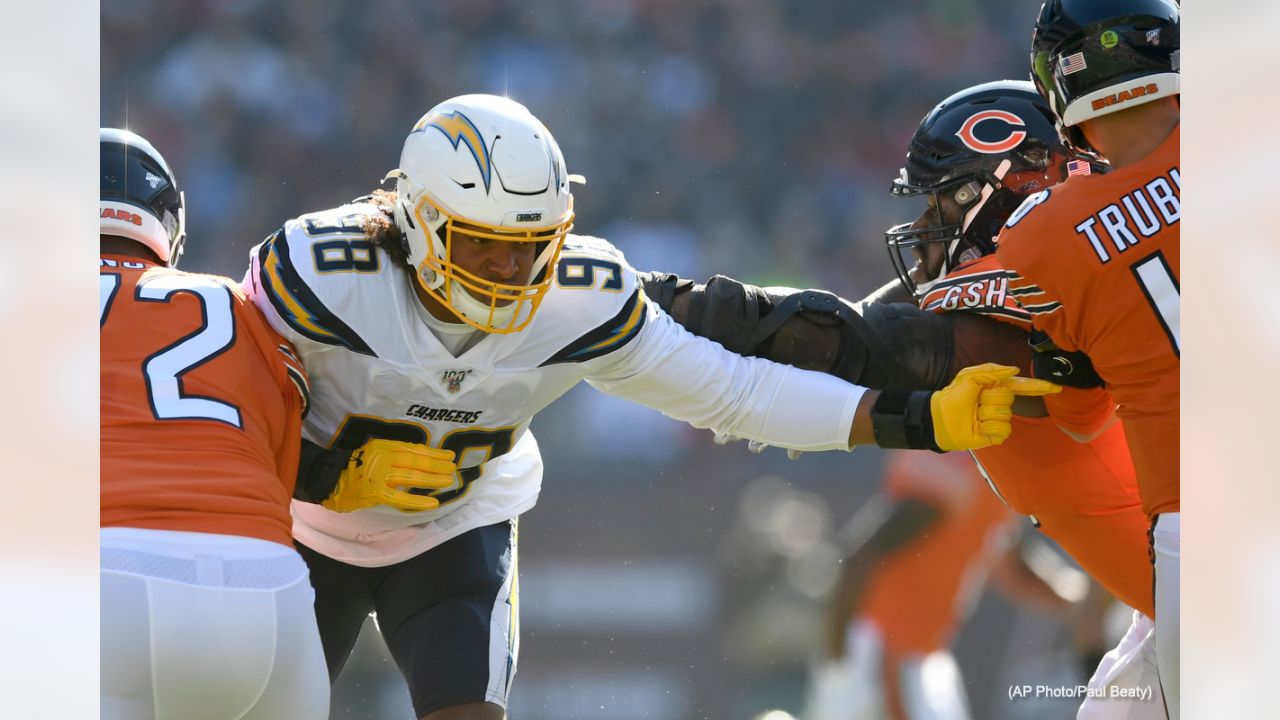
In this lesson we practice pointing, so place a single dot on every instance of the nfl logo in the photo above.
(453, 379)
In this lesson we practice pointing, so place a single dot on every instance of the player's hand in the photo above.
(754, 446)
(381, 472)
(975, 410)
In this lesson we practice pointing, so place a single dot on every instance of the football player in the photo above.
(973, 159)
(452, 310)
(1096, 260)
(206, 606)
(919, 553)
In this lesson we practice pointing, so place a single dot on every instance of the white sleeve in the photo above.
(696, 380)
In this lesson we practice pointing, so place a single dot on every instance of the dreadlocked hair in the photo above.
(381, 229)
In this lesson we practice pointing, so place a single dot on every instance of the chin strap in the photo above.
(464, 303)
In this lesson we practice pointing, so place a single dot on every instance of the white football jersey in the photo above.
(377, 370)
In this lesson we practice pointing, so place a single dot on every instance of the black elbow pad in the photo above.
(917, 346)
(723, 310)
(1052, 363)
(889, 346)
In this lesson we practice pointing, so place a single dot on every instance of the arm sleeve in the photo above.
(697, 381)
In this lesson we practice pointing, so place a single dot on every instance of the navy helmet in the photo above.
(987, 148)
(1094, 57)
(140, 197)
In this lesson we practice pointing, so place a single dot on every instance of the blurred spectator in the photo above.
(766, 132)
(920, 553)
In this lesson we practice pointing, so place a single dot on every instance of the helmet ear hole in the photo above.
(967, 193)
(407, 214)
(983, 148)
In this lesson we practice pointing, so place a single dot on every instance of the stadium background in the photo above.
(662, 576)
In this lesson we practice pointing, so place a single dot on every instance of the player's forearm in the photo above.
(891, 292)
(318, 471)
(862, 430)
(701, 383)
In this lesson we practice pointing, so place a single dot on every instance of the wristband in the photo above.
(904, 420)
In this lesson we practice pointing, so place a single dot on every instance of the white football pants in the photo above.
(1126, 685)
(1167, 540)
(207, 627)
(854, 687)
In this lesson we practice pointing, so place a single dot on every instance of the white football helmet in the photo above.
(486, 162)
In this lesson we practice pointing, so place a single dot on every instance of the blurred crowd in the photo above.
(754, 138)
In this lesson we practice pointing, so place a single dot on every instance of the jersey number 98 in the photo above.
(358, 429)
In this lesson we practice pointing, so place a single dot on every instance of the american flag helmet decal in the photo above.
(1073, 63)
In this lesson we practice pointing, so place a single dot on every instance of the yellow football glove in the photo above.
(380, 472)
(975, 410)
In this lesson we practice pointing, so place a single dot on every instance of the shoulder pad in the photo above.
(590, 245)
(596, 305)
(980, 287)
(1027, 206)
(311, 265)
(608, 336)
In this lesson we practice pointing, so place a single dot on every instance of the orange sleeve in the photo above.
(981, 287)
(1021, 250)
(292, 383)
(1081, 411)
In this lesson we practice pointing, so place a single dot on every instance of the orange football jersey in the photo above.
(1095, 261)
(1082, 495)
(921, 592)
(201, 406)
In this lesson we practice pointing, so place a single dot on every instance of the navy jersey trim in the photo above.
(609, 336)
(297, 304)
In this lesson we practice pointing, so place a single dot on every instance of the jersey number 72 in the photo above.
(164, 369)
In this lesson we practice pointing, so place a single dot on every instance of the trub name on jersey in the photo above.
(462, 417)
(990, 292)
(1148, 209)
